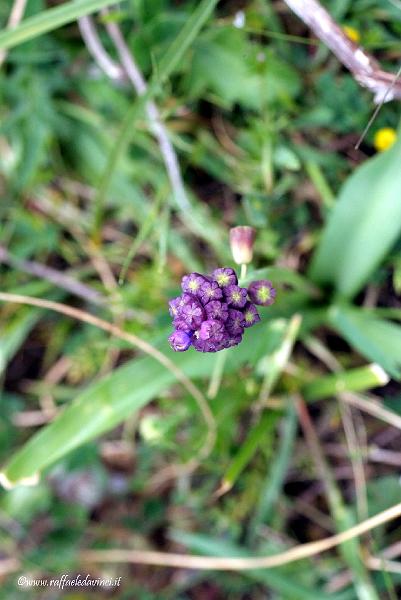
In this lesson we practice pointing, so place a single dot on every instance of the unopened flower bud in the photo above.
(241, 241)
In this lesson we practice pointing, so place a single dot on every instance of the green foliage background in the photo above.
(264, 122)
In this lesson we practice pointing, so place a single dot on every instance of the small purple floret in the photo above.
(204, 345)
(192, 283)
(225, 277)
(216, 310)
(262, 292)
(232, 340)
(235, 322)
(193, 313)
(182, 325)
(180, 341)
(212, 312)
(235, 295)
(210, 291)
(251, 315)
(212, 330)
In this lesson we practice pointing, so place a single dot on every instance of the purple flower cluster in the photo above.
(213, 311)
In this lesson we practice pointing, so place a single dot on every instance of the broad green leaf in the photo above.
(365, 223)
(107, 402)
(49, 20)
(376, 339)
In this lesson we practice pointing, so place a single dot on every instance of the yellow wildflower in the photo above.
(352, 33)
(384, 138)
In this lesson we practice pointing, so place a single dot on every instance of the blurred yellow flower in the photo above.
(352, 33)
(384, 138)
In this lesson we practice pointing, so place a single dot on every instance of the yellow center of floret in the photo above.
(223, 278)
(193, 285)
(264, 293)
(236, 296)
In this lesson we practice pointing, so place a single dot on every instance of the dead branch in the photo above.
(365, 69)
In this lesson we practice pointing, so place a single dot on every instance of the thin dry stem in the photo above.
(57, 278)
(218, 563)
(136, 341)
(96, 49)
(372, 407)
(365, 69)
(138, 81)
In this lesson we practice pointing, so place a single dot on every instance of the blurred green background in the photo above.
(303, 436)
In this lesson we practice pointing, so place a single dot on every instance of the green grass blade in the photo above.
(14, 332)
(376, 339)
(288, 585)
(354, 380)
(49, 20)
(363, 226)
(272, 486)
(109, 401)
(184, 39)
(273, 364)
(261, 433)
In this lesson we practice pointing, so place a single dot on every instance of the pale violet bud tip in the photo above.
(180, 341)
(241, 241)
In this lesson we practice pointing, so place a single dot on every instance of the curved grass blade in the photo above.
(107, 402)
(377, 339)
(49, 20)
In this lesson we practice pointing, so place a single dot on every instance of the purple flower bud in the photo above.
(176, 305)
(251, 315)
(210, 291)
(181, 324)
(204, 345)
(179, 341)
(262, 292)
(241, 241)
(212, 312)
(232, 340)
(225, 276)
(192, 313)
(235, 322)
(192, 283)
(216, 310)
(236, 296)
(212, 330)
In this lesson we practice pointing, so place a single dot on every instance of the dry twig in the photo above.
(365, 69)
(217, 563)
(145, 347)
